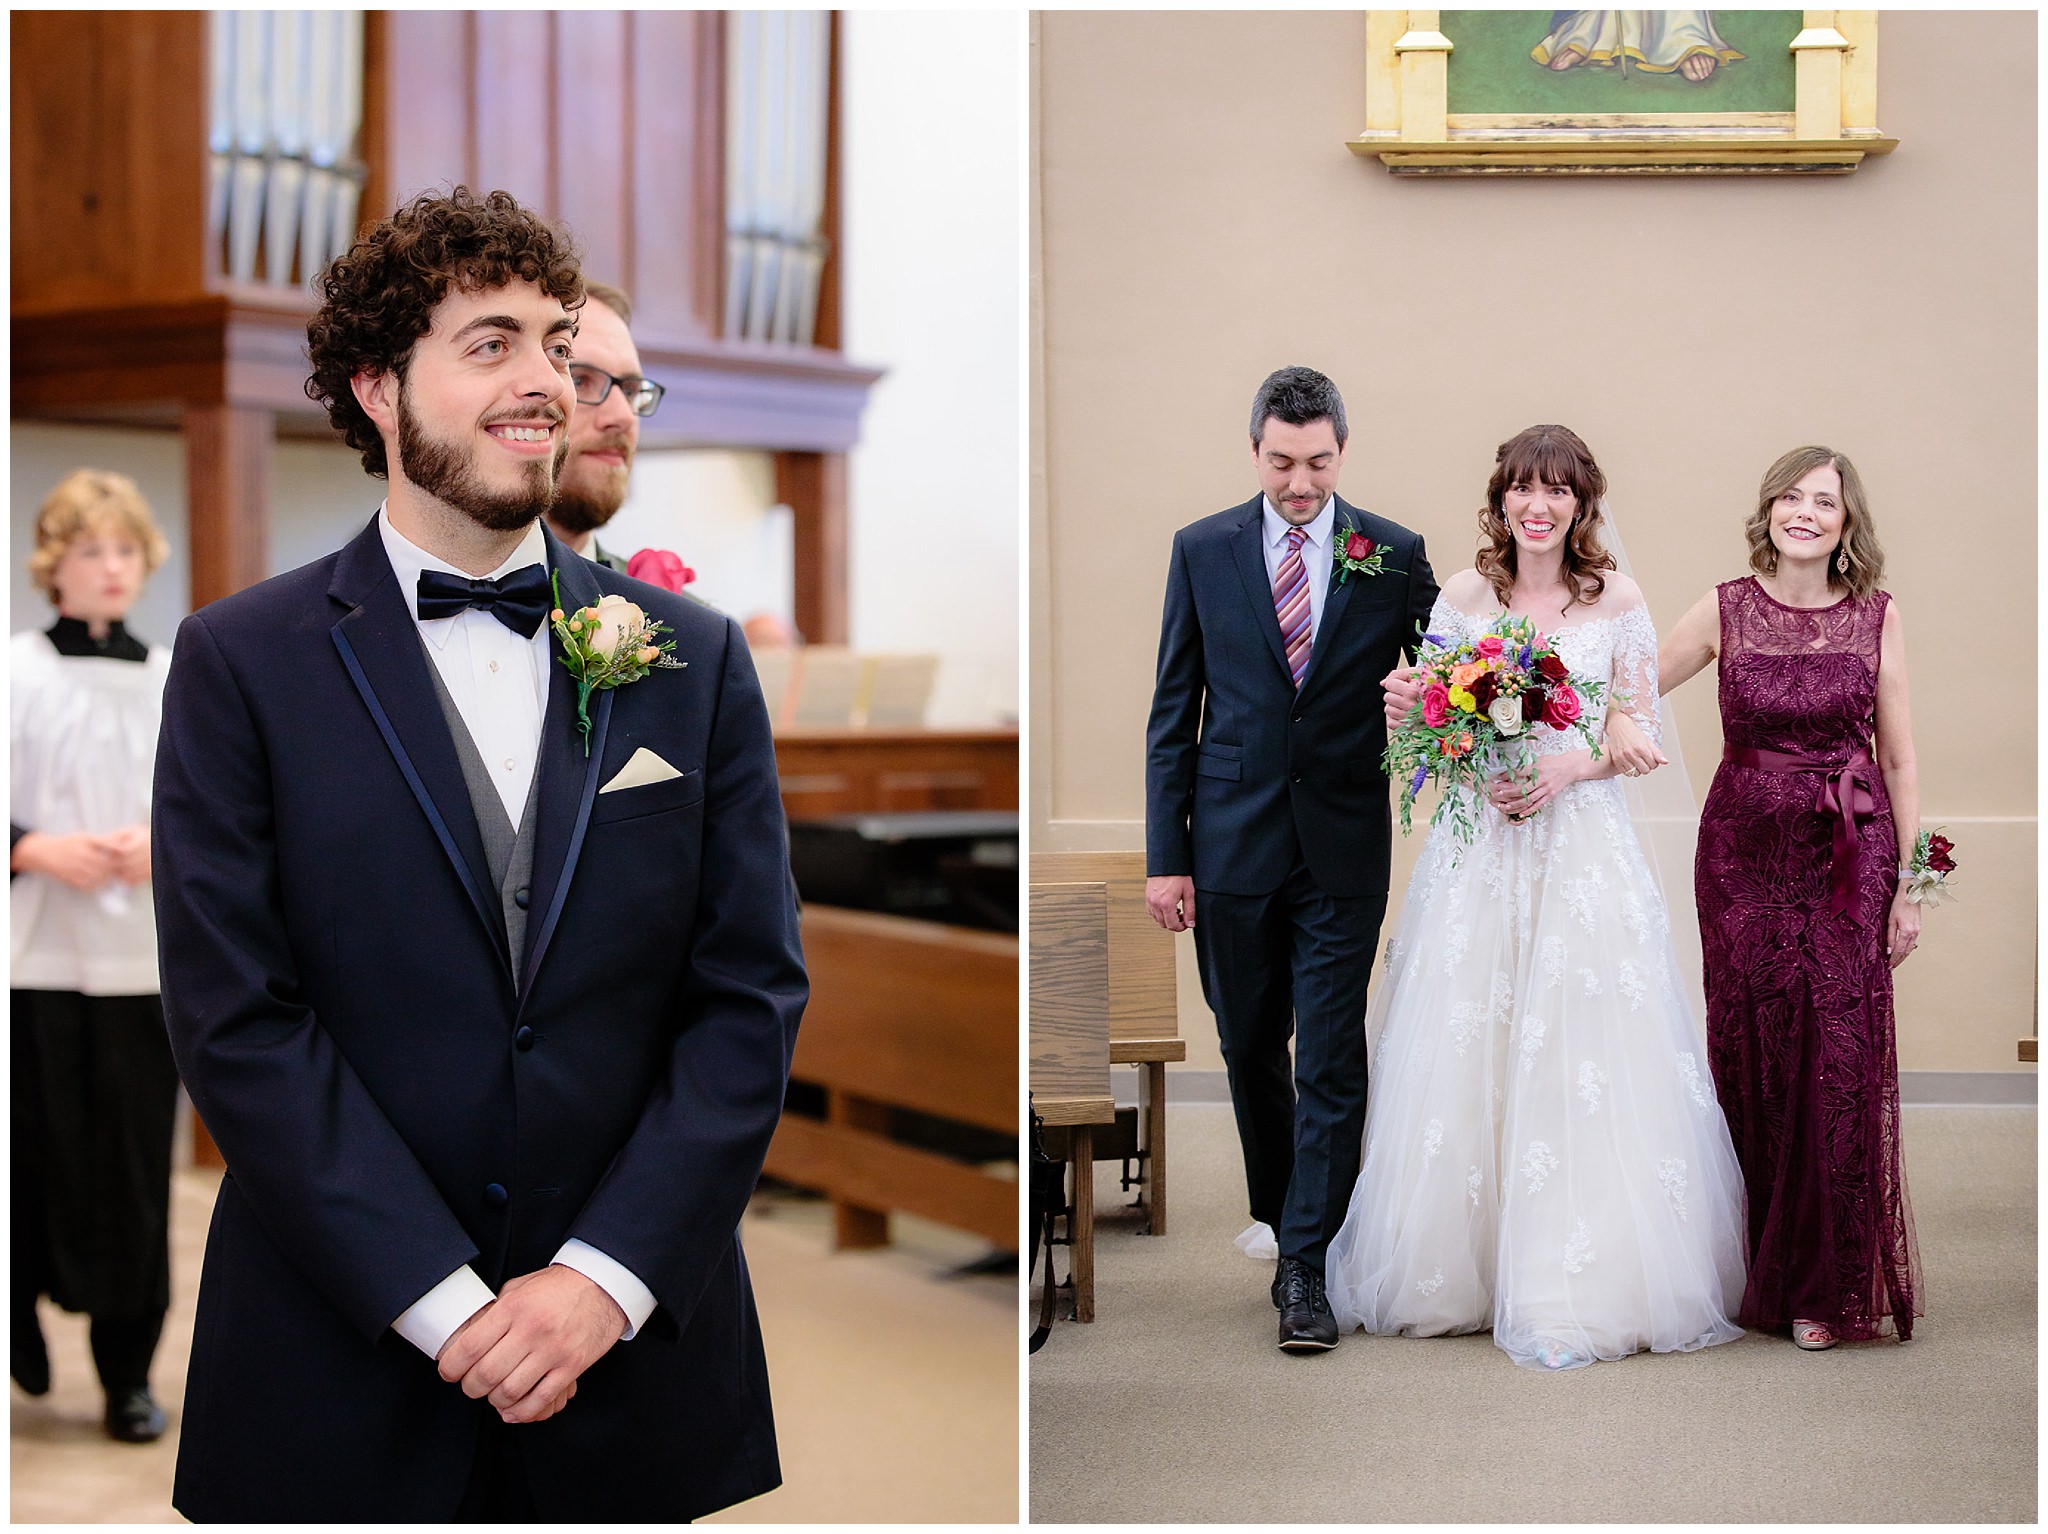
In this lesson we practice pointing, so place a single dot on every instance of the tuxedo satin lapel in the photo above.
(1246, 544)
(568, 778)
(1335, 599)
(379, 645)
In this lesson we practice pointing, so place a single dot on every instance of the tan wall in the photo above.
(1199, 222)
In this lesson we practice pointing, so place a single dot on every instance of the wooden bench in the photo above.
(1144, 1013)
(903, 1014)
(1070, 1048)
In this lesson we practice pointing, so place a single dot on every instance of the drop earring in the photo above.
(1842, 562)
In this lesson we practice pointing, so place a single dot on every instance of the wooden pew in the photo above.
(1070, 1048)
(1144, 1015)
(855, 771)
(906, 1014)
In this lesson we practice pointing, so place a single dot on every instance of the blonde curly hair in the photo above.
(91, 501)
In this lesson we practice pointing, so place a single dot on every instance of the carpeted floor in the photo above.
(1175, 1405)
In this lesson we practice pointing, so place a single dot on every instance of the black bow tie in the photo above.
(519, 600)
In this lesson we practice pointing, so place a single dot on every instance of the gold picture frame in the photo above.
(1830, 130)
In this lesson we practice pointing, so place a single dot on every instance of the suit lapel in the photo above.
(379, 645)
(568, 778)
(1335, 598)
(1248, 544)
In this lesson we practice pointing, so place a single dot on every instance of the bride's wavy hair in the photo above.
(1555, 455)
(1859, 533)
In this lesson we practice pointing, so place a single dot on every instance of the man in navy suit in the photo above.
(490, 1013)
(1266, 808)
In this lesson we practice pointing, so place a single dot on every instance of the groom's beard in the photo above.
(447, 473)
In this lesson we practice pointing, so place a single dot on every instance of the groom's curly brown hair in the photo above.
(379, 299)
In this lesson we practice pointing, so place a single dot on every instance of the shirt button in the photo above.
(494, 665)
(510, 763)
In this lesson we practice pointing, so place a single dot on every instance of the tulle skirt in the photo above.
(1544, 1153)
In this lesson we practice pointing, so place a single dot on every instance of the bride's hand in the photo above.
(1520, 795)
(1628, 748)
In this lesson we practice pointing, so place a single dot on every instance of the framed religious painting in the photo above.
(1588, 93)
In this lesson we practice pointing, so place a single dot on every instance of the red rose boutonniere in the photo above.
(1354, 552)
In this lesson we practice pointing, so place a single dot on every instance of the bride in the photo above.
(1544, 1154)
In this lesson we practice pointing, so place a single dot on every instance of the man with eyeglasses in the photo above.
(604, 428)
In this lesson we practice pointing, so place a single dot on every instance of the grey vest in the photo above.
(507, 850)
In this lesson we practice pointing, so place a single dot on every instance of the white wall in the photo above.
(934, 108)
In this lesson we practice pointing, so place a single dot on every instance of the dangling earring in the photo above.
(1842, 561)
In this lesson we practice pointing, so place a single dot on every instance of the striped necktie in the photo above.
(1290, 601)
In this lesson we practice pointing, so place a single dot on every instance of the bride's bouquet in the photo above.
(1482, 700)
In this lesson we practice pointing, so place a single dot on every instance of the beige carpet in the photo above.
(895, 1383)
(1176, 1407)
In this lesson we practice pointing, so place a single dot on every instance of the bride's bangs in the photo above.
(1543, 454)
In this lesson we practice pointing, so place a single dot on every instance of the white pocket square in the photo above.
(643, 767)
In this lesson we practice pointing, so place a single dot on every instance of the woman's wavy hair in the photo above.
(1555, 455)
(379, 299)
(88, 501)
(1859, 533)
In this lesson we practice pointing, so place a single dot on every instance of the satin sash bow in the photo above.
(1845, 796)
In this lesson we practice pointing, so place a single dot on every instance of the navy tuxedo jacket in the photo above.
(1241, 769)
(396, 1095)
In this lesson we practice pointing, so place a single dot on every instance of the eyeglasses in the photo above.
(594, 387)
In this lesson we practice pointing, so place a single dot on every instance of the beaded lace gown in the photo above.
(1799, 994)
(1544, 1155)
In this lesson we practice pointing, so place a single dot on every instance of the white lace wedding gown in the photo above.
(1544, 1153)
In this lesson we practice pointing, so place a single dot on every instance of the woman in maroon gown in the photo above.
(1812, 815)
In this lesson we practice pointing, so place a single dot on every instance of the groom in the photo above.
(1266, 809)
(489, 1013)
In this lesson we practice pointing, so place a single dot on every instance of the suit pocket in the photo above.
(648, 798)
(1220, 762)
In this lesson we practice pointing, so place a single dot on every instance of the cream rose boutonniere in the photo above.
(608, 645)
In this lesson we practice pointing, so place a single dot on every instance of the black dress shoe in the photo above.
(1306, 1325)
(134, 1417)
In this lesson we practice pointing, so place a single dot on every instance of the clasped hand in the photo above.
(1521, 794)
(86, 860)
(524, 1351)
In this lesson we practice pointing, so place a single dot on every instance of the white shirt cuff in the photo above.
(438, 1314)
(614, 1278)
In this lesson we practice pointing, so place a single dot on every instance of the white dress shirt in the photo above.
(499, 682)
(1315, 555)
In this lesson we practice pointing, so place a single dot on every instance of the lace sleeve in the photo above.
(1448, 622)
(1635, 670)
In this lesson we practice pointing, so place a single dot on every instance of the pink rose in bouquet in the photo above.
(1561, 708)
(1436, 705)
(1490, 646)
